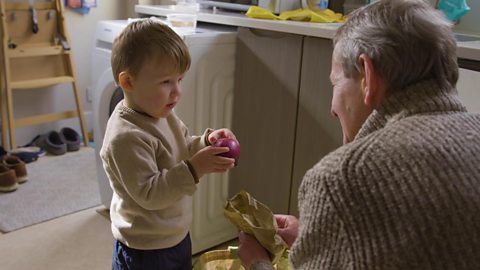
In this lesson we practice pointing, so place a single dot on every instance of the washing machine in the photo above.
(105, 94)
(207, 101)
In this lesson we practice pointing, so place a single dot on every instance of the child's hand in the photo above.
(206, 161)
(219, 134)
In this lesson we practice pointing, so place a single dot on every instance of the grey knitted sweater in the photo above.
(405, 194)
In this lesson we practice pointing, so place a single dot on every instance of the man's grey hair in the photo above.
(407, 41)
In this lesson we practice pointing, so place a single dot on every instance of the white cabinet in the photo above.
(207, 102)
(469, 90)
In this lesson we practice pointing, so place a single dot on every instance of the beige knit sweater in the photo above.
(152, 185)
(405, 194)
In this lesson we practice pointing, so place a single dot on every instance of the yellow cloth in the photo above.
(307, 15)
(256, 219)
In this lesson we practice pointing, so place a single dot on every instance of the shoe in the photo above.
(51, 142)
(29, 149)
(32, 142)
(2, 151)
(18, 166)
(26, 157)
(28, 153)
(8, 180)
(71, 138)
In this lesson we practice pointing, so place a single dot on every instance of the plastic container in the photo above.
(228, 259)
(184, 23)
(315, 4)
(186, 6)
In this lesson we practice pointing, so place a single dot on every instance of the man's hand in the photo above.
(287, 228)
(250, 251)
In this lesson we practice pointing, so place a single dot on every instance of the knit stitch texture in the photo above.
(405, 194)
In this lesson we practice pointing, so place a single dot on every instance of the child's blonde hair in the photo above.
(144, 40)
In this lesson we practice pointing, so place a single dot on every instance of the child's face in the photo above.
(156, 88)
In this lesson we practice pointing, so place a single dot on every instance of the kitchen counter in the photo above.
(323, 30)
(469, 50)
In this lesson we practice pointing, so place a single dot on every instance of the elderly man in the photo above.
(404, 190)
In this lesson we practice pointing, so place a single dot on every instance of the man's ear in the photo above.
(125, 81)
(372, 85)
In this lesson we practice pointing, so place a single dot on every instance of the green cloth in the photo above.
(256, 219)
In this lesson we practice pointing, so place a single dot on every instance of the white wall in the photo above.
(470, 23)
(81, 30)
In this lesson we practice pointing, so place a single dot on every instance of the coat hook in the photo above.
(13, 16)
(11, 44)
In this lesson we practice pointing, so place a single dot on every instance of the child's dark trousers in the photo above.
(178, 257)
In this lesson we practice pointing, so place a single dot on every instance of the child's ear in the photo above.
(125, 81)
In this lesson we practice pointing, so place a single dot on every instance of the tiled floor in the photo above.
(78, 241)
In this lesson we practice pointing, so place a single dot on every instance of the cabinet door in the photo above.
(318, 132)
(207, 102)
(267, 74)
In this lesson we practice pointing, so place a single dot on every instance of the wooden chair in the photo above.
(35, 54)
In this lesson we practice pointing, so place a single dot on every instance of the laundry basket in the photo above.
(227, 259)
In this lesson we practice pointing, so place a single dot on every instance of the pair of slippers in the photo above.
(58, 143)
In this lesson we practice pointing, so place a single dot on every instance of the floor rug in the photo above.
(56, 186)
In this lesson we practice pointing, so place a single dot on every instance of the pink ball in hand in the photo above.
(233, 145)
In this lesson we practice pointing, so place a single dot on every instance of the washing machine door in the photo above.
(100, 63)
(106, 96)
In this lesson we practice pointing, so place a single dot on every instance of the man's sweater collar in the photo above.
(421, 98)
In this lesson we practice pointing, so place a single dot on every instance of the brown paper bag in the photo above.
(256, 219)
